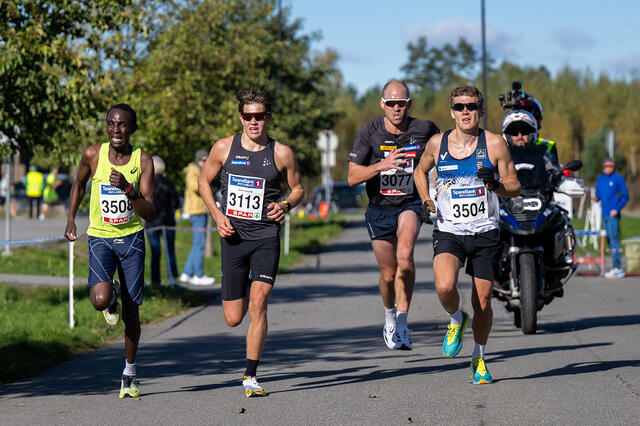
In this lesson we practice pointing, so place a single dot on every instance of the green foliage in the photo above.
(184, 90)
(593, 155)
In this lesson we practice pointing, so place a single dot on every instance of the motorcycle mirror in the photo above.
(573, 165)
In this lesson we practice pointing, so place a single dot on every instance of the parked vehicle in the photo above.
(343, 197)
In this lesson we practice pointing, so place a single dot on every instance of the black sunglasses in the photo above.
(259, 116)
(515, 130)
(470, 107)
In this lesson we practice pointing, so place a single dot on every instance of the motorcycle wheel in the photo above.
(517, 318)
(528, 293)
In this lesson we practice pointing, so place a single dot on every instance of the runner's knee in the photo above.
(101, 295)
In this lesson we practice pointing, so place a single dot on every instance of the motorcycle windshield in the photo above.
(530, 166)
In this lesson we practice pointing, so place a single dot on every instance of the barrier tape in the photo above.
(581, 233)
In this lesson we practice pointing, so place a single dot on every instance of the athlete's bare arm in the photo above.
(421, 172)
(87, 167)
(500, 156)
(359, 173)
(144, 204)
(286, 160)
(217, 157)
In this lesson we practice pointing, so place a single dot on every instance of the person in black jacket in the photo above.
(167, 201)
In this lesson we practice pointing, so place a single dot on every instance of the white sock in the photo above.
(478, 350)
(456, 317)
(401, 319)
(129, 369)
(390, 316)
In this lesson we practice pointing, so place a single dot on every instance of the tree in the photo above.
(50, 56)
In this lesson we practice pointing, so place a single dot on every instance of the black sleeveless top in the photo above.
(249, 182)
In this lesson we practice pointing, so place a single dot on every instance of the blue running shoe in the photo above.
(481, 375)
(453, 340)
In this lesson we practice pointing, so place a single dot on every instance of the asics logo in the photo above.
(135, 169)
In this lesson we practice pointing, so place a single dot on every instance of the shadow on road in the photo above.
(593, 322)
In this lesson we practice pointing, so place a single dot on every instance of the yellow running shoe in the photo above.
(252, 387)
(481, 375)
(112, 314)
(129, 387)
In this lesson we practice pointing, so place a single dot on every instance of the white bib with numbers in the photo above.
(115, 208)
(398, 182)
(468, 204)
(245, 197)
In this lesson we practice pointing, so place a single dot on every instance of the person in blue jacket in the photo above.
(612, 192)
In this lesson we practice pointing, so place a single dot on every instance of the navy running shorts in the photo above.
(244, 261)
(481, 251)
(383, 224)
(126, 254)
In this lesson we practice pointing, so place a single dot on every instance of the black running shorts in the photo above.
(244, 261)
(383, 224)
(481, 251)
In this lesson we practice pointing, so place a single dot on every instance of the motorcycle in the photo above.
(538, 242)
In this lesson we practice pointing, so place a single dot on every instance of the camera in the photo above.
(517, 98)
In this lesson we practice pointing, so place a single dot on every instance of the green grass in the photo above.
(34, 330)
(34, 324)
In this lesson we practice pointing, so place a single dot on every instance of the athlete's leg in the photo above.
(385, 252)
(482, 312)
(235, 310)
(408, 229)
(257, 334)
(445, 272)
(131, 319)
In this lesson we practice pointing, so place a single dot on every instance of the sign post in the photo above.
(327, 143)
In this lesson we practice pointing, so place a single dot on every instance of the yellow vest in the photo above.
(111, 214)
(34, 184)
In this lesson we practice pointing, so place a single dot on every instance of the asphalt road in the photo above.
(325, 361)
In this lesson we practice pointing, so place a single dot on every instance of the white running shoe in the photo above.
(184, 278)
(203, 280)
(615, 273)
(252, 387)
(404, 339)
(391, 337)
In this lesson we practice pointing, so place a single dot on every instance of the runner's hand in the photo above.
(427, 207)
(392, 160)
(225, 228)
(70, 231)
(488, 178)
(118, 180)
(276, 211)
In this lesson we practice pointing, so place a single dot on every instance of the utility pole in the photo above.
(484, 64)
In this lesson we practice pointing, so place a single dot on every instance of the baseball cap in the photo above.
(201, 153)
(608, 160)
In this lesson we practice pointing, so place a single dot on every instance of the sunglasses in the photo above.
(259, 116)
(515, 130)
(391, 103)
(470, 107)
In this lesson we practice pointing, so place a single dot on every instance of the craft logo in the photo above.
(265, 163)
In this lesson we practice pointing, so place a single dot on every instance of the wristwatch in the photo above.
(287, 206)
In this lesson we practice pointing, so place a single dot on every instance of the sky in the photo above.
(371, 36)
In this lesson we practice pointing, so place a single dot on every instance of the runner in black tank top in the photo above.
(251, 166)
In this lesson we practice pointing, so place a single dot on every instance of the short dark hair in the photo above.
(127, 108)
(251, 95)
(467, 91)
(396, 81)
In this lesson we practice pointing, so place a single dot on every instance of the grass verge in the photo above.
(34, 331)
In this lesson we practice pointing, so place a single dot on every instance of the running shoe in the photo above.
(252, 387)
(481, 375)
(112, 314)
(129, 387)
(615, 273)
(391, 337)
(203, 280)
(404, 339)
(453, 340)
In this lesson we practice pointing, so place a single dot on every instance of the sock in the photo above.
(252, 367)
(390, 316)
(456, 317)
(401, 319)
(478, 350)
(129, 369)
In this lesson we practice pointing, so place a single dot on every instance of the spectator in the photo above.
(50, 192)
(612, 192)
(34, 181)
(166, 201)
(194, 206)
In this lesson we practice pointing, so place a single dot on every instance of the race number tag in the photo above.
(116, 209)
(245, 196)
(398, 182)
(469, 204)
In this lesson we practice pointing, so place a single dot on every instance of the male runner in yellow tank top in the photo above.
(121, 192)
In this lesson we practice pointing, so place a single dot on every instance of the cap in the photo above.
(201, 153)
(608, 160)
